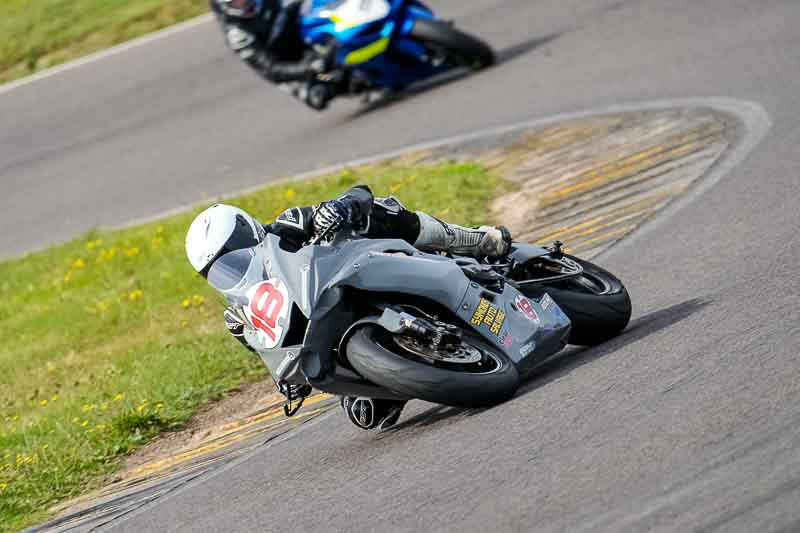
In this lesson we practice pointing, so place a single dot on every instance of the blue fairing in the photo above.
(381, 49)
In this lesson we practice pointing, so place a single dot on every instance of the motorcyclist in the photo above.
(265, 34)
(222, 228)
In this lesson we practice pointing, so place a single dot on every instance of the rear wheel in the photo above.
(596, 302)
(472, 375)
(456, 47)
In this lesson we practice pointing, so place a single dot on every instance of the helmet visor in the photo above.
(244, 235)
(230, 269)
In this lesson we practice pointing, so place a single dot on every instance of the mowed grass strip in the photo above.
(37, 34)
(111, 338)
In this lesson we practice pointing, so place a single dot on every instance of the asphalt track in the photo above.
(687, 422)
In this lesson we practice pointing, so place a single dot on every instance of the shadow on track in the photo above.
(572, 358)
(504, 55)
(576, 356)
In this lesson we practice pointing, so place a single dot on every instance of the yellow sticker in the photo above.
(480, 312)
(488, 315)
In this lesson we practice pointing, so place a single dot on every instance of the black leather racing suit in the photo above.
(270, 43)
(380, 218)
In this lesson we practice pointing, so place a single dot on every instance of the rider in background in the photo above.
(265, 34)
(221, 229)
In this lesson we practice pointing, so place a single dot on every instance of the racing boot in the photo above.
(368, 413)
(438, 236)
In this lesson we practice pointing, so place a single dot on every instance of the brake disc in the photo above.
(462, 354)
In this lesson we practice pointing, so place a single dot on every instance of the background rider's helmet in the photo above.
(245, 9)
(218, 230)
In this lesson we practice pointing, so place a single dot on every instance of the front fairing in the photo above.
(316, 280)
(363, 31)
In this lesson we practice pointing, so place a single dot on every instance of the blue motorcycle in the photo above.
(379, 45)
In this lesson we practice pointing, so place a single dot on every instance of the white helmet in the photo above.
(218, 230)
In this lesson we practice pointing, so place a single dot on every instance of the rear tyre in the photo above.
(374, 355)
(596, 302)
(461, 48)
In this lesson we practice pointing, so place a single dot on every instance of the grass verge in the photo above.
(37, 34)
(111, 338)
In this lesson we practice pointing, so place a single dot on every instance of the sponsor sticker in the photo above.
(527, 348)
(507, 341)
(547, 302)
(526, 308)
(489, 315)
(268, 304)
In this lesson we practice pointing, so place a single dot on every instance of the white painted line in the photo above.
(754, 124)
(108, 52)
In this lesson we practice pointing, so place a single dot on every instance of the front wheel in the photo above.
(474, 375)
(456, 47)
(596, 302)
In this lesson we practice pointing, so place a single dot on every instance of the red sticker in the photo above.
(526, 308)
(269, 302)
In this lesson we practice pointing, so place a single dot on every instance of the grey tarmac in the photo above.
(687, 422)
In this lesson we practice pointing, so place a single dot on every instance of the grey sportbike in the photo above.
(378, 318)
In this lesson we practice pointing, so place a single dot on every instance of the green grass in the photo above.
(111, 338)
(36, 34)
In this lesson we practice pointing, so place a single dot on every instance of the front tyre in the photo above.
(596, 302)
(459, 48)
(392, 363)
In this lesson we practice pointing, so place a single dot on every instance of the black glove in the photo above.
(331, 215)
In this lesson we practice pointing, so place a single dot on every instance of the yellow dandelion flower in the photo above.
(186, 303)
(84, 423)
(107, 255)
(140, 408)
(54, 398)
(43, 402)
(290, 194)
(45, 446)
(132, 252)
(3, 486)
(79, 263)
(198, 300)
(119, 397)
(91, 245)
(135, 295)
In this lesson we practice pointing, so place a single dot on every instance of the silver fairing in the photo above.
(317, 279)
